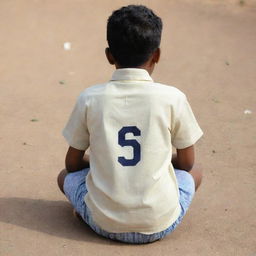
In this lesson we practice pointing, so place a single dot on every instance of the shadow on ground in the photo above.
(51, 217)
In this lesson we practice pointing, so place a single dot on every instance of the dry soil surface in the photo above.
(208, 51)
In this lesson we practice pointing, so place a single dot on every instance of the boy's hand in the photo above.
(184, 159)
(76, 160)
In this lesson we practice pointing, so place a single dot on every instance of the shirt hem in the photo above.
(101, 222)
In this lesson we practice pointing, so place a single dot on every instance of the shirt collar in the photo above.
(131, 74)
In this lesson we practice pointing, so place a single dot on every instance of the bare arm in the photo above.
(76, 160)
(184, 159)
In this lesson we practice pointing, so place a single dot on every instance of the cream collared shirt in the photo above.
(130, 125)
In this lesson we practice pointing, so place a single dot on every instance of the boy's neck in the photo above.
(149, 70)
(149, 65)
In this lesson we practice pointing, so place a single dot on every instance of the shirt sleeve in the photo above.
(185, 130)
(76, 130)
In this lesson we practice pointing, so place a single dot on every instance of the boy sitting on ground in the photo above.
(132, 188)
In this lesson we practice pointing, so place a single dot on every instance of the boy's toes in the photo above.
(77, 215)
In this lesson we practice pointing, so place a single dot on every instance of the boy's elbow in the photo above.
(185, 158)
(186, 166)
(71, 166)
(74, 159)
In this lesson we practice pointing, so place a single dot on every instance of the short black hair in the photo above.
(133, 34)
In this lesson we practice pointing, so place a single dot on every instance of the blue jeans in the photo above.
(75, 190)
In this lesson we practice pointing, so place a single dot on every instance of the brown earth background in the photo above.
(208, 51)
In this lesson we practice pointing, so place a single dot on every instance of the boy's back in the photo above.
(128, 189)
(131, 123)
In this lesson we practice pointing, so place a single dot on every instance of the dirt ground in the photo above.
(208, 51)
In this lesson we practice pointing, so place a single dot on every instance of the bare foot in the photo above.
(77, 215)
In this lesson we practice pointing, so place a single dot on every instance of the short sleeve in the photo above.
(76, 130)
(185, 130)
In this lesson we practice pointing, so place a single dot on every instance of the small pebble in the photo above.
(215, 101)
(67, 46)
(247, 112)
(241, 2)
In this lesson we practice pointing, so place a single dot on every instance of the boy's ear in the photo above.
(156, 55)
(109, 56)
